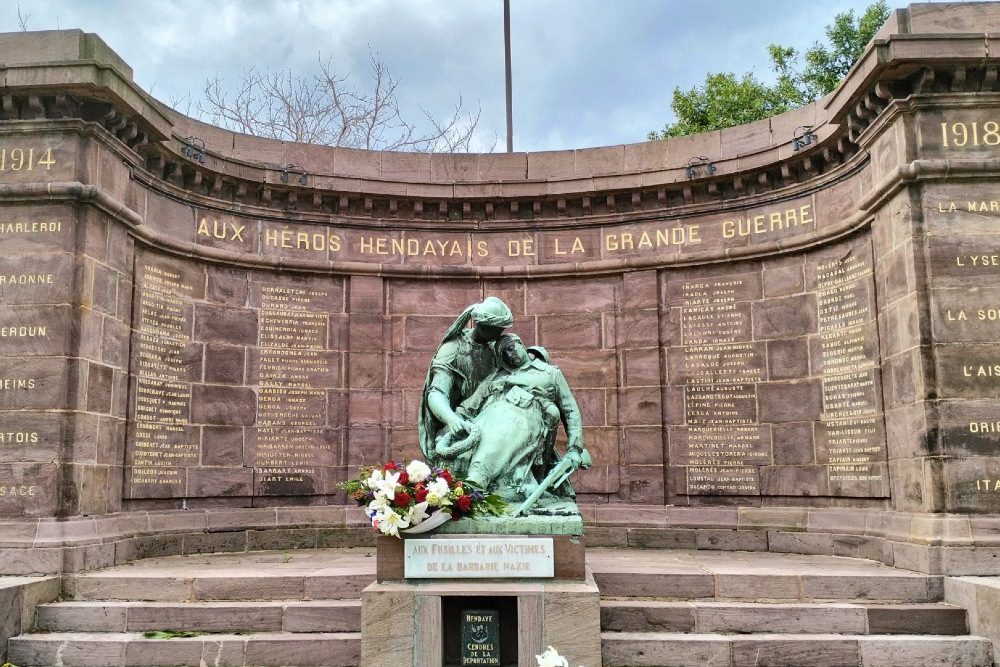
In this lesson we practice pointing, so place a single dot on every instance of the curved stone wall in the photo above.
(763, 332)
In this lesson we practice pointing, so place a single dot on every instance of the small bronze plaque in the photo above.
(480, 637)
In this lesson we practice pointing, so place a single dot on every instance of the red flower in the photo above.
(446, 476)
(456, 515)
(463, 503)
(359, 495)
(404, 478)
(421, 494)
(391, 465)
(402, 499)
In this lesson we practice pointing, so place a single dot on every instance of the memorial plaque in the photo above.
(964, 250)
(480, 637)
(162, 442)
(718, 365)
(289, 446)
(780, 388)
(253, 358)
(479, 558)
(853, 448)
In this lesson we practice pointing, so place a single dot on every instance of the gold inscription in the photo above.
(576, 247)
(731, 480)
(29, 227)
(984, 427)
(724, 443)
(992, 206)
(979, 206)
(26, 279)
(631, 239)
(969, 135)
(316, 241)
(977, 260)
(16, 490)
(290, 410)
(162, 398)
(221, 230)
(849, 393)
(981, 371)
(24, 332)
(982, 315)
(18, 437)
(27, 159)
(17, 383)
(156, 476)
(767, 222)
(670, 236)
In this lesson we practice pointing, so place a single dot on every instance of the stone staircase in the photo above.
(659, 608)
(674, 608)
(298, 608)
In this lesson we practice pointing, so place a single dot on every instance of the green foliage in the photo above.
(169, 634)
(826, 65)
(727, 99)
(723, 101)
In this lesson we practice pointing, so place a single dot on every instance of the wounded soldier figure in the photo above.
(510, 424)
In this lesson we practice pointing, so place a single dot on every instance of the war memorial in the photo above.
(764, 362)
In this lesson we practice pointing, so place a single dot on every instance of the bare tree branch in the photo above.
(183, 103)
(327, 109)
(22, 19)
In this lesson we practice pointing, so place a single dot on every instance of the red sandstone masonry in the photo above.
(591, 248)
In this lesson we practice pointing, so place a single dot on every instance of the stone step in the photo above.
(117, 649)
(679, 575)
(264, 616)
(749, 617)
(647, 649)
(326, 574)
(339, 586)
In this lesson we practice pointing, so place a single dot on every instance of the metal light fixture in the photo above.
(699, 161)
(802, 136)
(194, 148)
(291, 169)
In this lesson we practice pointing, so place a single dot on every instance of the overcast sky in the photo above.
(586, 72)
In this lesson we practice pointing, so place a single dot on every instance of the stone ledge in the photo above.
(935, 544)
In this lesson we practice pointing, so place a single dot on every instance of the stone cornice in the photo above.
(526, 190)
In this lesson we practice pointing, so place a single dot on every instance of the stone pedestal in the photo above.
(402, 622)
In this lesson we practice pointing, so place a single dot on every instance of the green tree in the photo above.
(727, 99)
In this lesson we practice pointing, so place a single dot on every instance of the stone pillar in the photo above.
(565, 615)
(637, 342)
(65, 295)
(365, 373)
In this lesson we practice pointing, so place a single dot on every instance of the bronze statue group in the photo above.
(491, 409)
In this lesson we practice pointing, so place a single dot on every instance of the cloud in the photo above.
(586, 72)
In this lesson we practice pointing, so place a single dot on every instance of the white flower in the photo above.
(379, 503)
(439, 487)
(550, 658)
(418, 471)
(416, 514)
(387, 485)
(389, 523)
(437, 493)
(374, 478)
